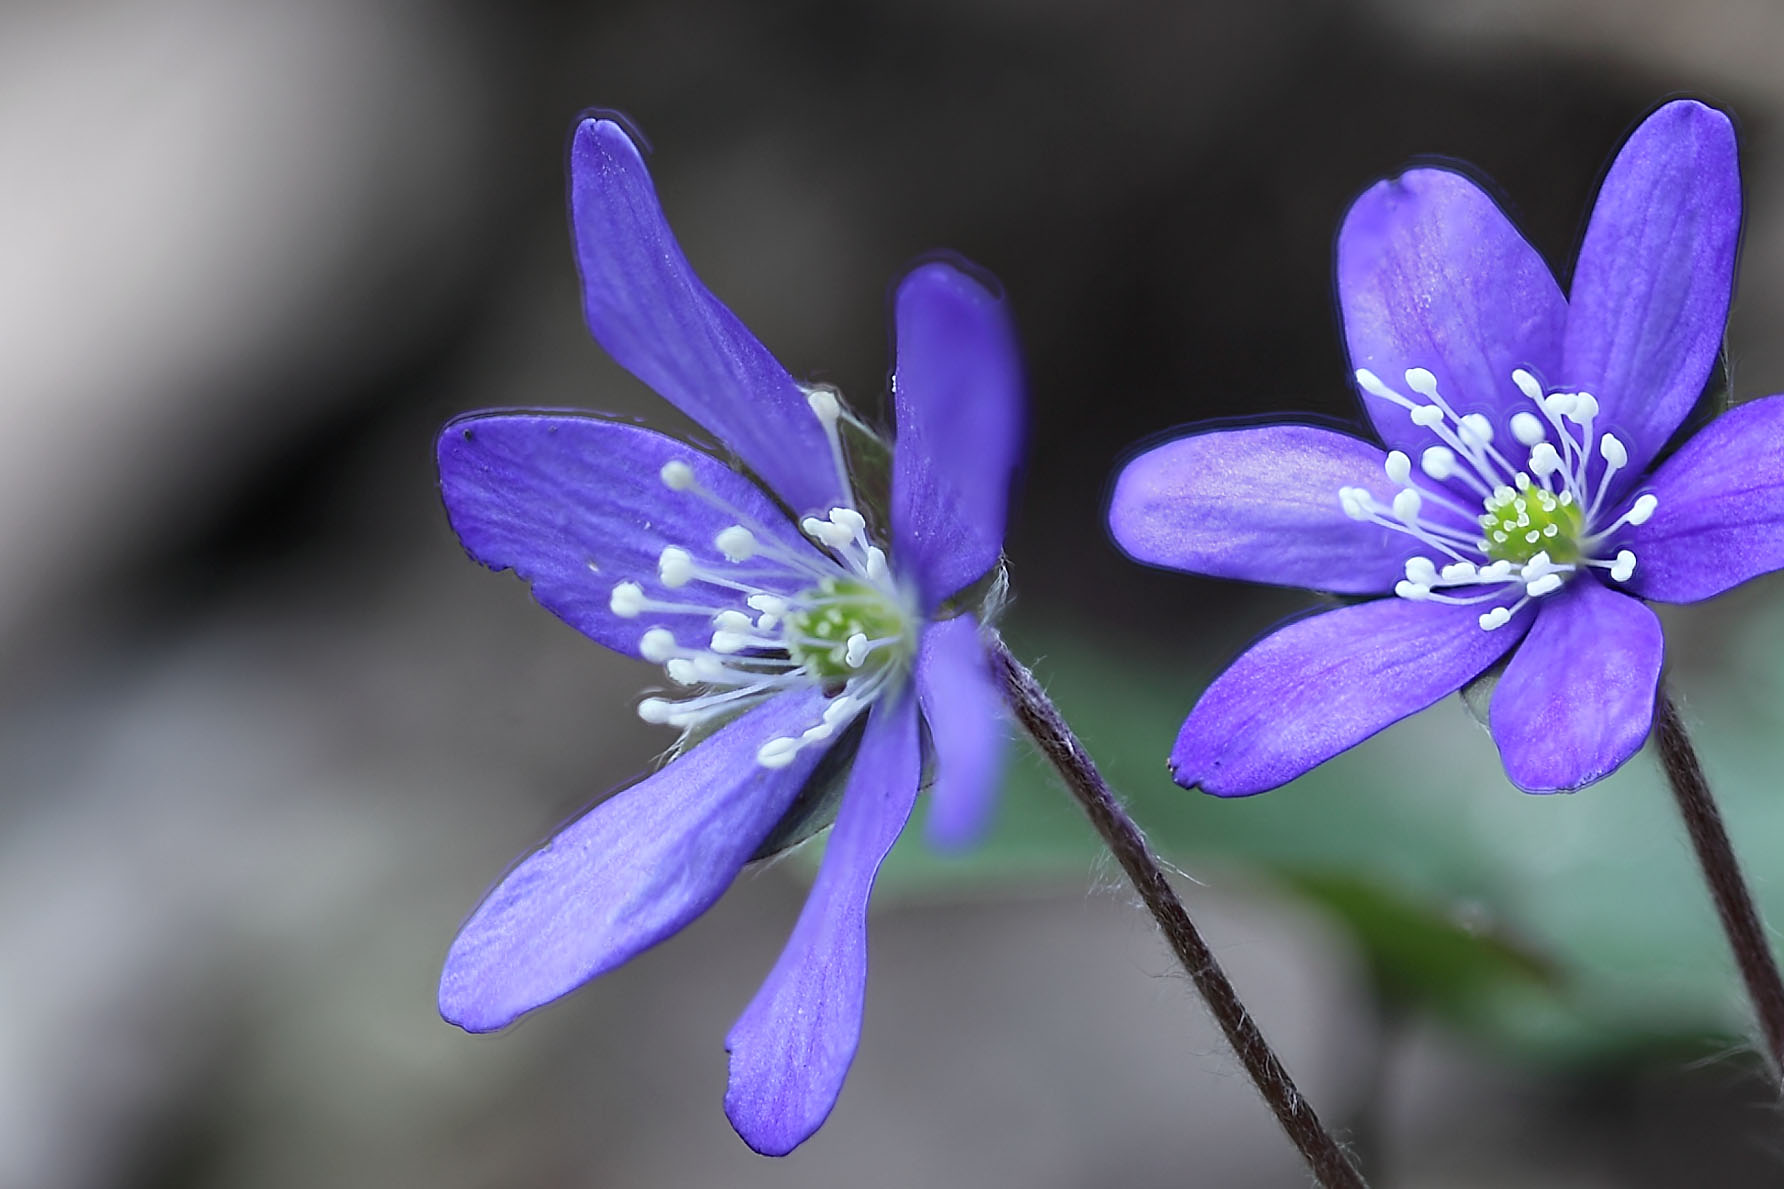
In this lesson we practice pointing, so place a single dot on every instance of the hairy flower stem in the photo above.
(1042, 720)
(1734, 902)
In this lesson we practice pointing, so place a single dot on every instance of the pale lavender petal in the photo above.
(964, 710)
(654, 315)
(1431, 274)
(1323, 684)
(957, 392)
(577, 505)
(1262, 504)
(791, 1048)
(1577, 699)
(628, 873)
(1655, 274)
(1720, 519)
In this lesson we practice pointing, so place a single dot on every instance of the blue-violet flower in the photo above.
(1524, 494)
(798, 630)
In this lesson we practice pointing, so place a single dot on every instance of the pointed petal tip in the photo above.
(766, 1133)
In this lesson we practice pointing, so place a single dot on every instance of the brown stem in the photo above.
(1734, 902)
(1041, 719)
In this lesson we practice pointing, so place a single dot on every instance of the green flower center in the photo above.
(1522, 521)
(846, 627)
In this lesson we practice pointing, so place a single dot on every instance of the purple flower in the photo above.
(1524, 495)
(793, 637)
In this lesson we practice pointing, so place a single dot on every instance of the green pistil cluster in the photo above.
(1526, 520)
(841, 630)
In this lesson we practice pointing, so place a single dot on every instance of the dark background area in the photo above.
(267, 735)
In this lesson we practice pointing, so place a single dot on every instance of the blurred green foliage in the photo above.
(1567, 927)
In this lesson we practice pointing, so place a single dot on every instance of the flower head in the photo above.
(812, 635)
(1524, 503)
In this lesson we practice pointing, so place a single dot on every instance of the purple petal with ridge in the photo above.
(651, 312)
(1655, 274)
(628, 873)
(576, 505)
(1323, 684)
(1262, 504)
(1720, 520)
(1431, 274)
(1577, 699)
(791, 1048)
(957, 392)
(964, 710)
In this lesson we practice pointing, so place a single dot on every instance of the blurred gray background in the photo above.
(267, 735)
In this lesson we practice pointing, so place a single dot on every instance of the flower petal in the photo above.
(628, 873)
(1720, 520)
(1578, 697)
(576, 505)
(792, 1046)
(1431, 274)
(964, 710)
(957, 392)
(651, 312)
(1655, 274)
(1261, 504)
(1323, 684)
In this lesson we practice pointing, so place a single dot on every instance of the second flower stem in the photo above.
(1734, 901)
(1044, 724)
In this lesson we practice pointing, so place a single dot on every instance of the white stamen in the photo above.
(1498, 617)
(856, 652)
(1476, 430)
(627, 601)
(1427, 416)
(682, 671)
(675, 566)
(1526, 384)
(736, 543)
(1527, 428)
(1613, 451)
(777, 753)
(1584, 408)
(657, 645)
(1406, 505)
(1457, 573)
(877, 569)
(1642, 509)
(1623, 567)
(1413, 592)
(1422, 381)
(1546, 584)
(848, 519)
(657, 710)
(1369, 382)
(1439, 462)
(1544, 460)
(677, 476)
(1398, 467)
(1421, 571)
(1352, 500)
(733, 621)
(823, 402)
(727, 642)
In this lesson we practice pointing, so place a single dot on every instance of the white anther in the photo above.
(1406, 505)
(1355, 502)
(1585, 407)
(1421, 570)
(1497, 571)
(1398, 467)
(656, 710)
(1623, 566)
(726, 641)
(657, 645)
(1545, 460)
(627, 601)
(678, 476)
(1415, 592)
(1642, 509)
(767, 621)
(1540, 563)
(683, 671)
(848, 519)
(1559, 404)
(823, 402)
(1498, 617)
(856, 652)
(736, 543)
(777, 753)
(1369, 382)
(733, 621)
(767, 604)
(828, 532)
(1547, 584)
(1439, 462)
(1613, 451)
(1477, 430)
(1460, 571)
(877, 570)
(1428, 416)
(1526, 383)
(841, 707)
(1527, 428)
(1421, 381)
(675, 566)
